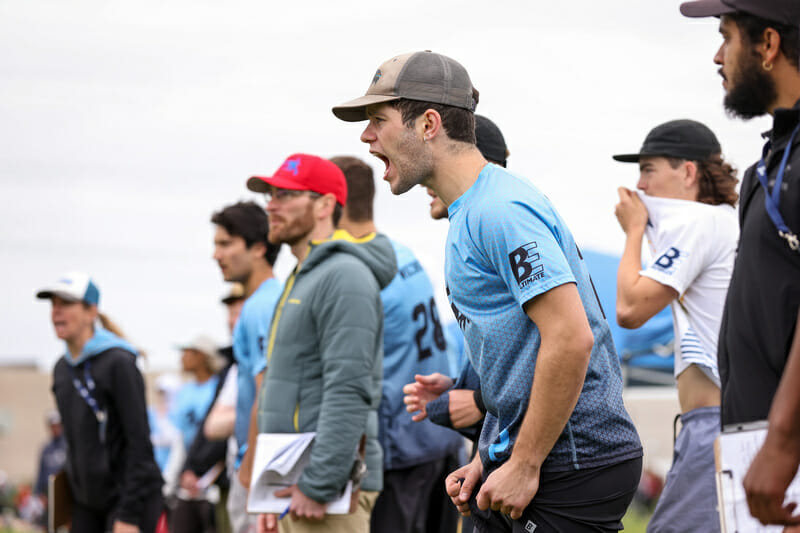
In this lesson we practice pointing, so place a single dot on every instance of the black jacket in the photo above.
(119, 474)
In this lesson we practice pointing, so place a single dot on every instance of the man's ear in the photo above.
(430, 122)
(770, 47)
(258, 249)
(690, 179)
(324, 205)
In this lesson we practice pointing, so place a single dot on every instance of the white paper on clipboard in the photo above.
(735, 450)
(278, 462)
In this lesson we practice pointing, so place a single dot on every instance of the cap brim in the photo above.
(190, 346)
(627, 158)
(705, 8)
(257, 184)
(46, 294)
(263, 183)
(356, 110)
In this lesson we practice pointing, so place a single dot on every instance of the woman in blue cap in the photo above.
(99, 391)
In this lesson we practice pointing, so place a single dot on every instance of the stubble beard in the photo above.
(296, 232)
(752, 91)
(416, 166)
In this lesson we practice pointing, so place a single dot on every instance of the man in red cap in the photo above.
(324, 351)
(759, 343)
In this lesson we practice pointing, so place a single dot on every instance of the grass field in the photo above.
(635, 521)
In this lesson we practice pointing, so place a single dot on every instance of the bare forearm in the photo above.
(775, 465)
(628, 273)
(639, 297)
(246, 468)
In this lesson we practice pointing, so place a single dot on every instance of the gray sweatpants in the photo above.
(689, 499)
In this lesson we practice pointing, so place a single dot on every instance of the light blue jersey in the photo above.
(190, 406)
(506, 245)
(413, 343)
(249, 341)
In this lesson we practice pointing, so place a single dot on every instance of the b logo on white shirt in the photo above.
(669, 260)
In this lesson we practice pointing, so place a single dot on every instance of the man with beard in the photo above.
(325, 345)
(759, 345)
(243, 254)
(557, 451)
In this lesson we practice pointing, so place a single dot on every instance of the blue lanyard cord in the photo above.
(86, 394)
(772, 199)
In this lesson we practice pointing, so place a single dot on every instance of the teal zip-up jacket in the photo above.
(325, 359)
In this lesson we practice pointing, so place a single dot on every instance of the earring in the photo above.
(766, 66)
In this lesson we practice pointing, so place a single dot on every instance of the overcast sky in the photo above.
(124, 125)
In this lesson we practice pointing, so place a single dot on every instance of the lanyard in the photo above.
(86, 393)
(772, 199)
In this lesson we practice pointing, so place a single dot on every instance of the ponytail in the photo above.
(112, 326)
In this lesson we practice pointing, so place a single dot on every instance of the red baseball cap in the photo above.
(304, 172)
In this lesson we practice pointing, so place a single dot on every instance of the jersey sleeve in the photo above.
(251, 340)
(523, 247)
(680, 255)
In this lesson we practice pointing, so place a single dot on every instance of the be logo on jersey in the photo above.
(526, 264)
(669, 260)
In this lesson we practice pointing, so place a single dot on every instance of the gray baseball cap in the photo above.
(783, 11)
(422, 76)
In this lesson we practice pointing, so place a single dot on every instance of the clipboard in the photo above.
(278, 462)
(734, 451)
(59, 502)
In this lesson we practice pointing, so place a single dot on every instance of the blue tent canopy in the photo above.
(649, 346)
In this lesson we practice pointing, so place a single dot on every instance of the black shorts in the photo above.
(87, 520)
(578, 501)
(413, 500)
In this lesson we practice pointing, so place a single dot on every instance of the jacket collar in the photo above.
(784, 122)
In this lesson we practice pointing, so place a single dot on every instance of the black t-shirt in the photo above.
(764, 295)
